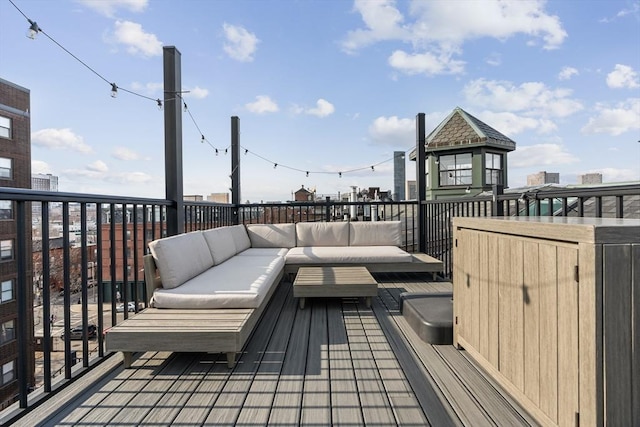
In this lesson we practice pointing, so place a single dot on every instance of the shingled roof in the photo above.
(461, 128)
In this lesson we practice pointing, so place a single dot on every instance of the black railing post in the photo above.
(327, 213)
(421, 182)
(497, 208)
(23, 304)
(235, 167)
(173, 140)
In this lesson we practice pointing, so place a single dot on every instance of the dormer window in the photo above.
(455, 169)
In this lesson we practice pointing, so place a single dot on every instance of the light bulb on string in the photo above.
(202, 139)
(339, 174)
(226, 150)
(33, 30)
(307, 174)
(114, 90)
(275, 165)
(216, 151)
(246, 151)
(159, 104)
(184, 109)
(373, 168)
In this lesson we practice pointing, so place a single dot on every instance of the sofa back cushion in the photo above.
(181, 257)
(240, 237)
(322, 233)
(220, 244)
(272, 235)
(384, 233)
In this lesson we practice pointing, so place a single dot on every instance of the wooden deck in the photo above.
(334, 363)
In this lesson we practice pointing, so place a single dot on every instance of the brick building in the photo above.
(15, 171)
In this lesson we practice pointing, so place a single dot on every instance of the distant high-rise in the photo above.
(543, 177)
(218, 197)
(43, 182)
(399, 175)
(590, 178)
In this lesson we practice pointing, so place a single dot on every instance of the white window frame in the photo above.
(6, 250)
(493, 175)
(8, 332)
(5, 127)
(6, 168)
(6, 206)
(454, 171)
(8, 373)
(7, 291)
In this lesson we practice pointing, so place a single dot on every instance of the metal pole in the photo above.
(235, 166)
(173, 140)
(497, 209)
(421, 181)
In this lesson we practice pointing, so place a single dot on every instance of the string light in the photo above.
(340, 174)
(307, 174)
(33, 30)
(159, 104)
(185, 107)
(275, 165)
(114, 90)
(373, 168)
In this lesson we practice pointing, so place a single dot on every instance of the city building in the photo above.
(15, 171)
(218, 197)
(590, 178)
(411, 191)
(43, 182)
(399, 175)
(464, 156)
(543, 177)
(303, 195)
(193, 198)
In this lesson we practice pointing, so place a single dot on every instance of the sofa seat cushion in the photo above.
(384, 233)
(240, 282)
(272, 235)
(265, 251)
(240, 237)
(181, 257)
(322, 233)
(346, 255)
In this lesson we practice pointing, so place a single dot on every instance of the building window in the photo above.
(493, 168)
(8, 332)
(6, 250)
(6, 209)
(6, 291)
(5, 127)
(455, 169)
(5, 168)
(8, 373)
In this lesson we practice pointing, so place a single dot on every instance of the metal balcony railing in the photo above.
(73, 259)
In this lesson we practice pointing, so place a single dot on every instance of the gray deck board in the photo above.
(334, 363)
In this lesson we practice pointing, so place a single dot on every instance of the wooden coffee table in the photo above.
(334, 282)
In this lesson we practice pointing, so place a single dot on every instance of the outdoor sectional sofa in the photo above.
(209, 288)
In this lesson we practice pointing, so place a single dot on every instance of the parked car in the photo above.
(75, 333)
(131, 306)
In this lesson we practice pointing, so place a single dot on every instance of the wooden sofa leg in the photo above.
(127, 356)
(231, 359)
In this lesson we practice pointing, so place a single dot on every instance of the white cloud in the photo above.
(616, 175)
(196, 92)
(616, 120)
(109, 8)
(60, 139)
(511, 124)
(263, 104)
(494, 59)
(38, 166)
(130, 178)
(393, 131)
(534, 98)
(567, 72)
(540, 155)
(623, 76)
(323, 108)
(633, 10)
(98, 166)
(123, 153)
(136, 40)
(240, 44)
(149, 88)
(437, 30)
(426, 63)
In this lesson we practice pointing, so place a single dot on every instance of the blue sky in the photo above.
(324, 86)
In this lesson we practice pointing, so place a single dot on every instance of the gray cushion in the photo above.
(322, 234)
(382, 233)
(220, 243)
(272, 235)
(240, 282)
(181, 257)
